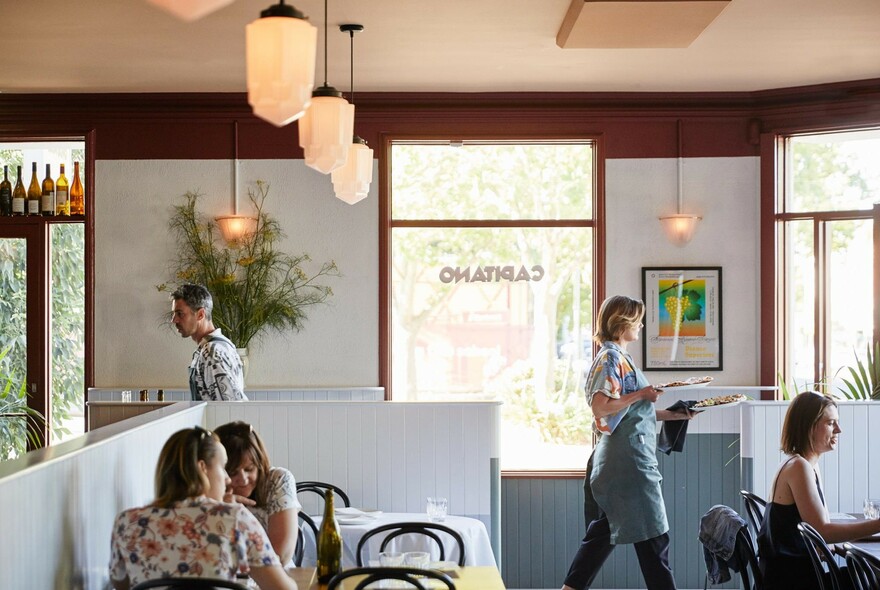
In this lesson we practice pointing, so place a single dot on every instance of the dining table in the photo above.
(478, 548)
(465, 578)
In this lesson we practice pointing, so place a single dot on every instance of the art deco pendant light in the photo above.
(325, 130)
(351, 182)
(190, 10)
(680, 227)
(281, 47)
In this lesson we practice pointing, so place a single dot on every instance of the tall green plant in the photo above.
(15, 427)
(255, 286)
(865, 383)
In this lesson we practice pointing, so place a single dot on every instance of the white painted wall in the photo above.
(133, 202)
(338, 346)
(725, 192)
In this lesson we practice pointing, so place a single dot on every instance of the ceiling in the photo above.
(59, 46)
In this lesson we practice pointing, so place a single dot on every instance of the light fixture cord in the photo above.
(679, 167)
(235, 169)
(351, 74)
(325, 42)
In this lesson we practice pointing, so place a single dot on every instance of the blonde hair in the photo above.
(616, 314)
(178, 475)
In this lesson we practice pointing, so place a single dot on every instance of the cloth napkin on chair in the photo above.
(673, 432)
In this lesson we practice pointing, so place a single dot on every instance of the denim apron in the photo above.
(623, 480)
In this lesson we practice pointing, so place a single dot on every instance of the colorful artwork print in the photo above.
(681, 307)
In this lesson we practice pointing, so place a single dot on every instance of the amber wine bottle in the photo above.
(35, 193)
(329, 543)
(62, 204)
(5, 193)
(19, 196)
(77, 203)
(47, 199)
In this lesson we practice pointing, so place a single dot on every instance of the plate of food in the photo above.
(691, 383)
(719, 401)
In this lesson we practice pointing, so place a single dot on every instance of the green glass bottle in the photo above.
(329, 543)
(5, 193)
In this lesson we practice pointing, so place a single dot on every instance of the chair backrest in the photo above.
(748, 561)
(305, 521)
(398, 529)
(189, 584)
(416, 577)
(820, 554)
(755, 505)
(863, 568)
(320, 488)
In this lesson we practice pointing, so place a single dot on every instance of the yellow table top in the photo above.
(468, 578)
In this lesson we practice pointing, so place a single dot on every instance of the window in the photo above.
(491, 286)
(825, 218)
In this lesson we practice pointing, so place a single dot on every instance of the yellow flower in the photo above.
(245, 261)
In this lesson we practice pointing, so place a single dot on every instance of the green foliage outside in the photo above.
(864, 382)
(255, 286)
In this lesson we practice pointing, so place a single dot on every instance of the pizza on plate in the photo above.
(690, 381)
(719, 400)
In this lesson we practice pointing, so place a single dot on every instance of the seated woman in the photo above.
(268, 492)
(188, 531)
(810, 429)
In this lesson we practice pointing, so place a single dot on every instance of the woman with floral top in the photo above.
(189, 531)
(268, 492)
(623, 500)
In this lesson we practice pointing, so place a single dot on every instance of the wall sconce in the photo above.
(281, 47)
(351, 182)
(190, 10)
(235, 227)
(325, 130)
(680, 227)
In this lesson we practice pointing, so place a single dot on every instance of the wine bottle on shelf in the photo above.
(77, 203)
(35, 193)
(329, 543)
(5, 193)
(47, 198)
(19, 196)
(62, 202)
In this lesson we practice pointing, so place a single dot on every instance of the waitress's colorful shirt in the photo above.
(197, 537)
(613, 374)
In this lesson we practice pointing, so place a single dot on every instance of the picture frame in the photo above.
(683, 328)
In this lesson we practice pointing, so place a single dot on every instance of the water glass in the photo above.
(126, 395)
(871, 509)
(417, 559)
(437, 508)
(389, 559)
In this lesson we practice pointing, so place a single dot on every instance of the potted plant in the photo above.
(865, 382)
(255, 286)
(17, 420)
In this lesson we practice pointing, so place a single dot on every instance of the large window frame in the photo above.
(777, 170)
(387, 224)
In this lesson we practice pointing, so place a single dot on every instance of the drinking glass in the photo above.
(436, 509)
(126, 395)
(389, 559)
(416, 559)
(871, 509)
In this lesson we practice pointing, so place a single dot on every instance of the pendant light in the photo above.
(280, 47)
(680, 227)
(190, 10)
(351, 182)
(325, 130)
(234, 227)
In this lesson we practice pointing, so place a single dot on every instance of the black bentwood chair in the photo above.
(864, 568)
(299, 552)
(190, 584)
(755, 505)
(418, 578)
(320, 488)
(417, 528)
(745, 560)
(821, 556)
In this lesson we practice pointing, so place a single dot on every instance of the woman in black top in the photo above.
(811, 428)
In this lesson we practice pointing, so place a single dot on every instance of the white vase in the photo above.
(245, 362)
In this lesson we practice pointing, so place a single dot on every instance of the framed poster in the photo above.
(682, 318)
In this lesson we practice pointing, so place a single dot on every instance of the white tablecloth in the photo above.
(478, 550)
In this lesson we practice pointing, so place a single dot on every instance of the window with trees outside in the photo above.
(491, 286)
(825, 218)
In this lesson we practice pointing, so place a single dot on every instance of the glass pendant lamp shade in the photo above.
(351, 182)
(281, 47)
(190, 10)
(325, 131)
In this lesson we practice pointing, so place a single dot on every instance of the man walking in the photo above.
(215, 373)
